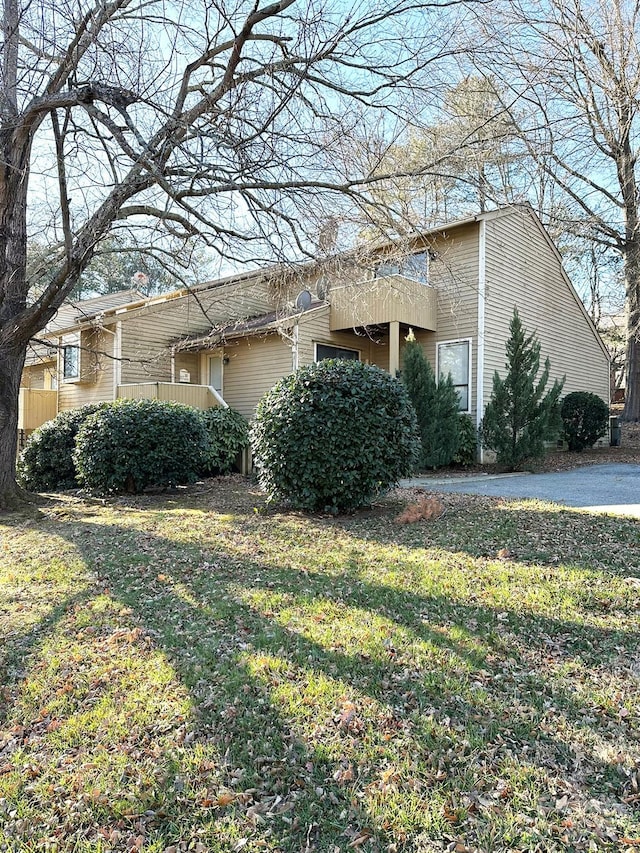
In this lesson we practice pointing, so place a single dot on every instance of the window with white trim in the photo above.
(324, 351)
(454, 357)
(71, 357)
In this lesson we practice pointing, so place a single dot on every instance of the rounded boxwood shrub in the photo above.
(466, 454)
(47, 460)
(228, 434)
(585, 417)
(333, 435)
(130, 444)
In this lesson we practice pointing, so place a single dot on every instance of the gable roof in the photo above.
(74, 315)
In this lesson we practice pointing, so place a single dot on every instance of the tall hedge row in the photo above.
(46, 463)
(130, 444)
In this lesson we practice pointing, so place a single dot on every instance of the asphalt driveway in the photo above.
(613, 488)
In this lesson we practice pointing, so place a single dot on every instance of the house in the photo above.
(229, 341)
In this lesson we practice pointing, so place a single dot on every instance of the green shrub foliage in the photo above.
(585, 417)
(436, 406)
(46, 463)
(521, 415)
(333, 435)
(228, 434)
(130, 444)
(466, 453)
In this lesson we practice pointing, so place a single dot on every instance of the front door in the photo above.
(215, 373)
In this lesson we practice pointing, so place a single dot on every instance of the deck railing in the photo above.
(392, 298)
(35, 407)
(198, 396)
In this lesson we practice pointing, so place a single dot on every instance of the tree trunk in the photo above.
(12, 361)
(632, 396)
(632, 289)
(626, 164)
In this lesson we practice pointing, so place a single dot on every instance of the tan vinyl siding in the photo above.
(147, 334)
(314, 329)
(33, 377)
(454, 274)
(189, 361)
(255, 365)
(523, 270)
(96, 373)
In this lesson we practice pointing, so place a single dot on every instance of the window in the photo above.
(71, 357)
(454, 357)
(414, 266)
(325, 351)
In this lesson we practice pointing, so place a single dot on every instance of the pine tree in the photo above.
(521, 416)
(446, 432)
(436, 406)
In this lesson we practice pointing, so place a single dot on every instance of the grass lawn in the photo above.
(189, 672)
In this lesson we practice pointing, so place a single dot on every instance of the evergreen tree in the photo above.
(436, 406)
(446, 434)
(521, 416)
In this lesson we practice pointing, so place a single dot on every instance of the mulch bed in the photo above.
(628, 452)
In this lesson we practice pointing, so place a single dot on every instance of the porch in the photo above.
(198, 396)
(388, 302)
(36, 406)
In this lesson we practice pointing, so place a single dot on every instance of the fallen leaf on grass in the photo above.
(225, 799)
(363, 836)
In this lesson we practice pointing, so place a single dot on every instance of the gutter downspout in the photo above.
(117, 363)
(482, 298)
(295, 358)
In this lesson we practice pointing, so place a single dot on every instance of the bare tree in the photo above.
(210, 119)
(463, 156)
(571, 69)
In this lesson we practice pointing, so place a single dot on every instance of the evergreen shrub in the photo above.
(436, 406)
(130, 444)
(46, 463)
(522, 416)
(585, 417)
(228, 435)
(467, 451)
(333, 435)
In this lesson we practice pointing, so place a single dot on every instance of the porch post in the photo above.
(394, 348)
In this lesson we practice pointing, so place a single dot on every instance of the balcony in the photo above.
(389, 299)
(35, 407)
(198, 396)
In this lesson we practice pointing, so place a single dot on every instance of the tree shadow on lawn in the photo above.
(316, 731)
(19, 645)
(530, 530)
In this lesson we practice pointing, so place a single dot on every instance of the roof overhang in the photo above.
(263, 324)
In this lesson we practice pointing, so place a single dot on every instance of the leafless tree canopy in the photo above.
(570, 72)
(214, 120)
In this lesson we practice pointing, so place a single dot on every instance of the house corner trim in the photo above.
(482, 297)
